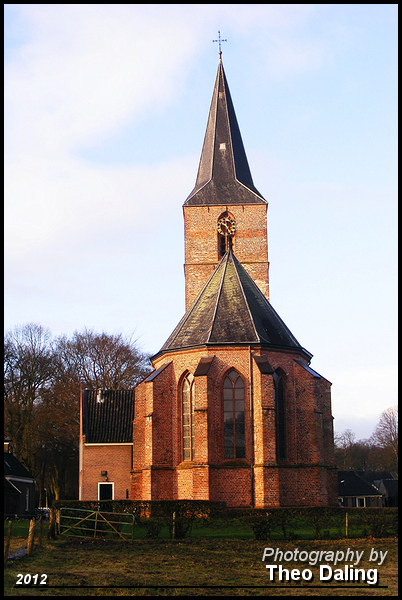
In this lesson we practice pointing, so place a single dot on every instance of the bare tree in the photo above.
(42, 378)
(386, 437)
(103, 361)
(351, 453)
(98, 360)
(29, 369)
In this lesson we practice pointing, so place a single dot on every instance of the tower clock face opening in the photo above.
(226, 227)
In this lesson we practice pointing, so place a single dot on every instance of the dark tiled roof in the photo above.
(350, 483)
(231, 309)
(13, 467)
(109, 420)
(224, 176)
(372, 476)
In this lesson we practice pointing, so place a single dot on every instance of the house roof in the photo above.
(108, 416)
(350, 483)
(391, 486)
(231, 309)
(13, 468)
(224, 175)
(10, 489)
(373, 476)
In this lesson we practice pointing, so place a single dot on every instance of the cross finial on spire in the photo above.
(219, 40)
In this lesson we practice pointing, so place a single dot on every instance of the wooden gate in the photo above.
(92, 523)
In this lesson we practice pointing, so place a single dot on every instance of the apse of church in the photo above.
(232, 411)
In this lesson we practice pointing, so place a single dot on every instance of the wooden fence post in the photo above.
(7, 548)
(52, 524)
(40, 531)
(58, 519)
(31, 536)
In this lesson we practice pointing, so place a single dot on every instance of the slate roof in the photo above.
(109, 420)
(224, 175)
(350, 483)
(231, 309)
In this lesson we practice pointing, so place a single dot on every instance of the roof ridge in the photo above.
(268, 303)
(244, 296)
(226, 91)
(225, 256)
(189, 312)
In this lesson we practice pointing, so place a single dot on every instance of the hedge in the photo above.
(180, 515)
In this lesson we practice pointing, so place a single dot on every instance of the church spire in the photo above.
(224, 175)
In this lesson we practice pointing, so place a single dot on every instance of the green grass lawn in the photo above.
(162, 567)
(19, 533)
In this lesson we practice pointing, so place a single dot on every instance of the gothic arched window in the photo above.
(233, 416)
(188, 417)
(280, 416)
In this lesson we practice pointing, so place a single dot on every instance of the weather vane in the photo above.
(219, 40)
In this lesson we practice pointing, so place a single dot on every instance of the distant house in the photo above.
(355, 491)
(19, 487)
(375, 477)
(389, 490)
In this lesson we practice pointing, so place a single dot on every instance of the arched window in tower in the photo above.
(233, 416)
(188, 417)
(226, 227)
(280, 417)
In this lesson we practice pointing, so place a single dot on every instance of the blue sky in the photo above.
(105, 113)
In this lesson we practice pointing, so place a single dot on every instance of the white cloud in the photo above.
(87, 71)
(363, 392)
(60, 201)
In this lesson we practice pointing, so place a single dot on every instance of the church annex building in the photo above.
(232, 410)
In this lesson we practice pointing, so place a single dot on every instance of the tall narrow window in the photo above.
(188, 417)
(279, 402)
(222, 245)
(233, 416)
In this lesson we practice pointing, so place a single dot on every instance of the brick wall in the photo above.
(304, 478)
(113, 458)
(202, 244)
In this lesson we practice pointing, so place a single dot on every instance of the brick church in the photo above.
(232, 410)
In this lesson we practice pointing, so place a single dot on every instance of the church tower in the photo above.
(224, 207)
(233, 410)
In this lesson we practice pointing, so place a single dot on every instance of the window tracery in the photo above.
(188, 417)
